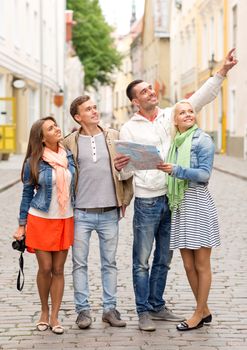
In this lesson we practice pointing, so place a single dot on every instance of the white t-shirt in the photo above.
(54, 211)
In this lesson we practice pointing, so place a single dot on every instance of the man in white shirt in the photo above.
(151, 222)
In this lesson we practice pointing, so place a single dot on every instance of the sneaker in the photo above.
(84, 319)
(113, 318)
(145, 322)
(166, 315)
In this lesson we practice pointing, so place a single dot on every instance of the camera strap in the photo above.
(21, 273)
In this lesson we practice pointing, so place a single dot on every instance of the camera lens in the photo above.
(19, 245)
(15, 245)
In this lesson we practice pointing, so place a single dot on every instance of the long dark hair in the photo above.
(35, 149)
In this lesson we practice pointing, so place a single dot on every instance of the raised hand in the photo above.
(229, 62)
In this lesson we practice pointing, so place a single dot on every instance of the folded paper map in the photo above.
(142, 157)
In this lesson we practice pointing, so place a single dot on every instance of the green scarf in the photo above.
(179, 153)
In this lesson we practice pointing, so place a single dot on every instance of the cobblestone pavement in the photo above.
(231, 165)
(20, 311)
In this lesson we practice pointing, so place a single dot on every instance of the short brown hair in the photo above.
(76, 103)
(130, 88)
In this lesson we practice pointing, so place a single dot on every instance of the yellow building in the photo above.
(122, 109)
(202, 32)
(156, 48)
(211, 49)
(198, 47)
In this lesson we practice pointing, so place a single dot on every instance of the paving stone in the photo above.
(227, 300)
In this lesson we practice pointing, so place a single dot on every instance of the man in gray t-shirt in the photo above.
(100, 197)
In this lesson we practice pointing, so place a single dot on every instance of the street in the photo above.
(19, 311)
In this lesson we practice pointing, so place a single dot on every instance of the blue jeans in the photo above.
(152, 222)
(106, 225)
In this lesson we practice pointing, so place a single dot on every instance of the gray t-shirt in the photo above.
(95, 183)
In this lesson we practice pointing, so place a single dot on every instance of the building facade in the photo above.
(156, 48)
(31, 65)
(236, 121)
(73, 75)
(202, 32)
(122, 109)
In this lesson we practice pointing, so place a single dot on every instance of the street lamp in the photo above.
(211, 64)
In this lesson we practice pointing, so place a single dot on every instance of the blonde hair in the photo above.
(174, 128)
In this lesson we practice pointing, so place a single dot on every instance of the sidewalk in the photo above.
(230, 165)
(227, 300)
(10, 170)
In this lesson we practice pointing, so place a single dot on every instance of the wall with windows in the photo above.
(32, 40)
(237, 79)
(156, 48)
(202, 32)
(197, 37)
(122, 109)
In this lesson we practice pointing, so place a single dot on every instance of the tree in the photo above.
(93, 42)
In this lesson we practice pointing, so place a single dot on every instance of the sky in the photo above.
(118, 13)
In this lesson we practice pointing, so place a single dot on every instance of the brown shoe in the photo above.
(84, 319)
(113, 318)
(145, 323)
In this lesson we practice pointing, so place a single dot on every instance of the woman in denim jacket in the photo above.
(46, 214)
(194, 227)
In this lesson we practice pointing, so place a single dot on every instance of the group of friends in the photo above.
(78, 184)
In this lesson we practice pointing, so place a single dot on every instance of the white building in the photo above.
(32, 42)
(237, 87)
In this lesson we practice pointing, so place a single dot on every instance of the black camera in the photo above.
(19, 245)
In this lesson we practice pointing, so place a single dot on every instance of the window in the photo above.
(116, 100)
(2, 19)
(211, 41)
(204, 46)
(16, 24)
(36, 35)
(33, 107)
(232, 111)
(234, 26)
(3, 119)
(220, 35)
(203, 118)
(27, 28)
(2, 86)
(211, 117)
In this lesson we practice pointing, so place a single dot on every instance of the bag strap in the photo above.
(21, 273)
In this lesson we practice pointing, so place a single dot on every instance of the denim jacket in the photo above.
(201, 159)
(39, 197)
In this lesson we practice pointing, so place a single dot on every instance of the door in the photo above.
(7, 125)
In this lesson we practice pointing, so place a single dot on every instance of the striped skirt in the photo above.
(195, 222)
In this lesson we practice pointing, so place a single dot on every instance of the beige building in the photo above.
(136, 50)
(122, 109)
(73, 76)
(236, 119)
(197, 50)
(202, 32)
(156, 47)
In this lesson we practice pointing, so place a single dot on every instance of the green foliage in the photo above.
(93, 42)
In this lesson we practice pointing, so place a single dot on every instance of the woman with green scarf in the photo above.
(194, 227)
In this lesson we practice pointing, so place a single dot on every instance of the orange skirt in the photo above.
(49, 234)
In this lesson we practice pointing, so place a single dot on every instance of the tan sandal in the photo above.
(42, 326)
(58, 329)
